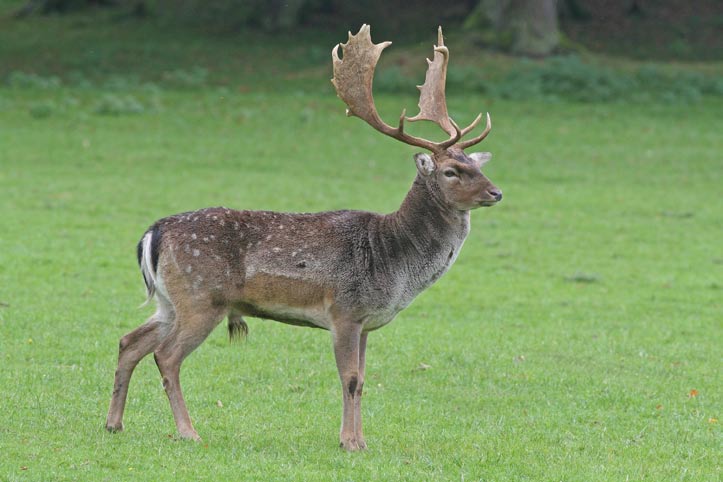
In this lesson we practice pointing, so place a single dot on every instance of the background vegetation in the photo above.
(577, 337)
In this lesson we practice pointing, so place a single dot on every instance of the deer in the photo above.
(348, 272)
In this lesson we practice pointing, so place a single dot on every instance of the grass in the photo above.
(577, 337)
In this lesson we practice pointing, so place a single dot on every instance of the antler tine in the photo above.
(353, 76)
(474, 123)
(470, 142)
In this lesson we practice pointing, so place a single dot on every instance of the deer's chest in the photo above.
(413, 279)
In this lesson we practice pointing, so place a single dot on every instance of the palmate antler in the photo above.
(353, 76)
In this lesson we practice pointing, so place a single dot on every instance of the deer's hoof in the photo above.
(192, 435)
(352, 444)
(114, 428)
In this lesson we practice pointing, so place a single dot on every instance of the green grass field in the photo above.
(578, 336)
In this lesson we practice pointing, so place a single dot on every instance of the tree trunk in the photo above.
(523, 27)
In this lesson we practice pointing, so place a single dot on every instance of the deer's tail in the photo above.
(148, 251)
(237, 327)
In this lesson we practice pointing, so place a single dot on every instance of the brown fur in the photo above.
(284, 290)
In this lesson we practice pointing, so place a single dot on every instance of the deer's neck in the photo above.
(425, 234)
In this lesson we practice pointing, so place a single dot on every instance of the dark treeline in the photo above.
(525, 27)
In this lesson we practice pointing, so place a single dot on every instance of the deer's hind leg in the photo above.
(193, 324)
(132, 348)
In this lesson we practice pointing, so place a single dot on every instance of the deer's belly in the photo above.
(285, 299)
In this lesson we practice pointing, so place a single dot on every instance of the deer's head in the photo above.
(451, 174)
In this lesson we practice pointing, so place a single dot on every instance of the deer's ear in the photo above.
(480, 158)
(425, 164)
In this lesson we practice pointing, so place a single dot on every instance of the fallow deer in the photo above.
(349, 272)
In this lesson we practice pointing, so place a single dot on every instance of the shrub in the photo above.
(78, 79)
(466, 79)
(186, 79)
(19, 79)
(121, 82)
(571, 78)
(565, 77)
(42, 109)
(112, 104)
(392, 80)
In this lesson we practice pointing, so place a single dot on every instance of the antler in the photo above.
(432, 100)
(353, 76)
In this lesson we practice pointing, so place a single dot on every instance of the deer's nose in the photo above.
(496, 193)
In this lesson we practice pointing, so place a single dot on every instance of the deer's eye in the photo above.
(451, 173)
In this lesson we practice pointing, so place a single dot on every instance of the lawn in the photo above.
(577, 337)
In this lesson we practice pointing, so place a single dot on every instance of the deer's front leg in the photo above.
(347, 337)
(359, 390)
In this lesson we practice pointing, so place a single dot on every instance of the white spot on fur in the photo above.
(186, 248)
(268, 237)
(276, 250)
(205, 239)
(196, 252)
(293, 254)
(189, 268)
(235, 225)
(197, 282)
(193, 236)
(213, 237)
(222, 222)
